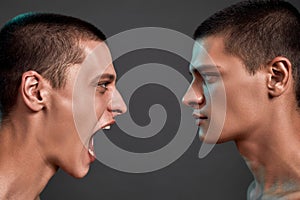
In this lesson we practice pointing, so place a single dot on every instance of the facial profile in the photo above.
(246, 95)
(206, 94)
(88, 102)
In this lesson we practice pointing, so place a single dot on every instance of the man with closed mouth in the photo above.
(250, 53)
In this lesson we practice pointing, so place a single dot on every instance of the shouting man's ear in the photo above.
(279, 76)
(34, 90)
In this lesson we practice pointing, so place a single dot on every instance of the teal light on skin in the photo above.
(279, 190)
(208, 82)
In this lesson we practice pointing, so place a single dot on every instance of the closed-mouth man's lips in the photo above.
(200, 118)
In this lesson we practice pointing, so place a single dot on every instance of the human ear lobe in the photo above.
(279, 76)
(33, 90)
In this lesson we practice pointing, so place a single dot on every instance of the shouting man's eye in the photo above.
(102, 86)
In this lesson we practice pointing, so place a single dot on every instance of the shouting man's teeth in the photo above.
(91, 145)
(91, 148)
(92, 152)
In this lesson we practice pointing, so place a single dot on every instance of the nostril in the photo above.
(117, 111)
(193, 104)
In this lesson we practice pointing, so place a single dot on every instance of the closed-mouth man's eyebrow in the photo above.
(203, 67)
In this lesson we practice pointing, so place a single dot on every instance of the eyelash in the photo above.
(103, 85)
(209, 78)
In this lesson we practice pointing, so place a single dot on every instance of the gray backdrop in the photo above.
(220, 175)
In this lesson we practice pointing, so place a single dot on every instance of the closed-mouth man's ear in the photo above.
(279, 76)
(34, 90)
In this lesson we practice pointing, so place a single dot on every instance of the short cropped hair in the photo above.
(44, 42)
(257, 32)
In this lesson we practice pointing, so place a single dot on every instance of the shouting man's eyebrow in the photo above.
(111, 77)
